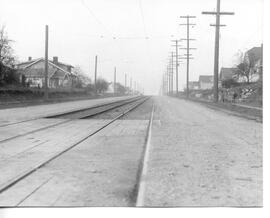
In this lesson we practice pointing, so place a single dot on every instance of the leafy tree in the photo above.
(246, 67)
(229, 83)
(8, 76)
(102, 85)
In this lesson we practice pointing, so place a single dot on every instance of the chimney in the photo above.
(55, 59)
(29, 58)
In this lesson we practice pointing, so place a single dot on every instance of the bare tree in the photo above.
(120, 89)
(6, 51)
(7, 73)
(246, 67)
(82, 79)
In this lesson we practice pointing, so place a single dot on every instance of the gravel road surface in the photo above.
(202, 157)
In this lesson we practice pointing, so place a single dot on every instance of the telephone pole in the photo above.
(130, 85)
(126, 90)
(169, 79)
(114, 82)
(188, 24)
(167, 82)
(261, 65)
(96, 75)
(125, 80)
(46, 95)
(217, 13)
(172, 72)
(163, 84)
(176, 63)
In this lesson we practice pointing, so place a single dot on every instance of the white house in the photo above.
(206, 82)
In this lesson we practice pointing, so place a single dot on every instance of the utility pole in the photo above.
(164, 83)
(96, 75)
(216, 59)
(261, 64)
(188, 24)
(178, 60)
(125, 80)
(114, 82)
(167, 82)
(130, 85)
(125, 83)
(172, 72)
(176, 63)
(169, 79)
(46, 95)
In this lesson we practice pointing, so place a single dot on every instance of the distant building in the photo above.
(227, 73)
(59, 74)
(255, 54)
(118, 88)
(110, 89)
(206, 82)
(193, 85)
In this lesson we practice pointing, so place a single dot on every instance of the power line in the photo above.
(143, 20)
(94, 16)
(98, 21)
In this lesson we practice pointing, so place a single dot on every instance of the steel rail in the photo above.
(55, 114)
(5, 186)
(141, 176)
(122, 103)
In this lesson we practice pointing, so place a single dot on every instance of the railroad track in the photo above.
(127, 106)
(69, 112)
(77, 114)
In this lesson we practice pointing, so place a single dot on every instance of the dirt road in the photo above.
(203, 157)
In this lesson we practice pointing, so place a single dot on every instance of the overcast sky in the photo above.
(116, 31)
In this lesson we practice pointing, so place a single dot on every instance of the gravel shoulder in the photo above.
(200, 157)
(245, 111)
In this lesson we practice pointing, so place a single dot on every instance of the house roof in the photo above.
(38, 59)
(27, 71)
(206, 79)
(227, 73)
(255, 52)
(28, 62)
